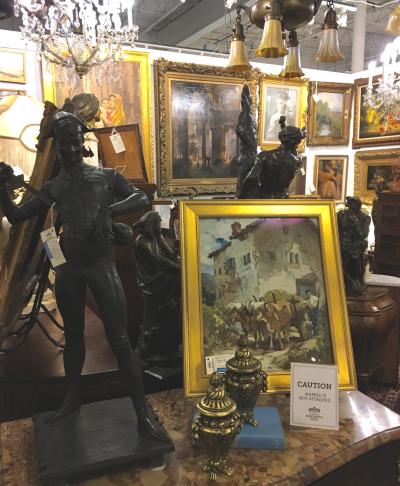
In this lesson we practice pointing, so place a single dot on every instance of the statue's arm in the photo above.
(17, 213)
(143, 251)
(131, 198)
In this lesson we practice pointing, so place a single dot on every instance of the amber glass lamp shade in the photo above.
(292, 64)
(272, 45)
(329, 50)
(393, 25)
(238, 60)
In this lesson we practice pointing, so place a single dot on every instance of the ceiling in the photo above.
(206, 25)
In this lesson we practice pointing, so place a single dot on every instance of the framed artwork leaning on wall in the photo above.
(329, 109)
(270, 271)
(197, 110)
(12, 66)
(330, 177)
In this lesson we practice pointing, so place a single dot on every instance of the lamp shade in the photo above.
(238, 60)
(292, 64)
(393, 25)
(272, 45)
(20, 118)
(329, 50)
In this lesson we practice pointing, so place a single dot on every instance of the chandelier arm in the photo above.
(56, 56)
(95, 51)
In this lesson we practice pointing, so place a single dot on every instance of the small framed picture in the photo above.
(330, 176)
(12, 66)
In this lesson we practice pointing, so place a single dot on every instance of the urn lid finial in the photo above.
(243, 361)
(216, 402)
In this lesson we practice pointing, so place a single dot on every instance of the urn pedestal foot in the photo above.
(217, 467)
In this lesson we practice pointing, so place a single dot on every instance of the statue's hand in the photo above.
(6, 172)
(103, 225)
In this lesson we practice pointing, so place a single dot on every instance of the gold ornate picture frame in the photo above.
(273, 261)
(131, 94)
(280, 97)
(371, 166)
(372, 126)
(197, 109)
(329, 117)
(330, 176)
(12, 66)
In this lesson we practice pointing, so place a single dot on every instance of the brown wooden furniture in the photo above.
(387, 234)
(364, 451)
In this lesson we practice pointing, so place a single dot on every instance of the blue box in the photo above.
(268, 434)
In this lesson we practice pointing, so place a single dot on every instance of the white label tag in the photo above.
(117, 142)
(312, 187)
(314, 398)
(52, 247)
(217, 363)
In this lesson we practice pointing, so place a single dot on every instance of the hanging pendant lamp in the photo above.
(329, 50)
(238, 60)
(291, 64)
(272, 45)
(393, 25)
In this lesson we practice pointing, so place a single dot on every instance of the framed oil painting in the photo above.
(330, 177)
(197, 113)
(278, 98)
(329, 114)
(124, 94)
(373, 167)
(372, 126)
(269, 271)
(12, 66)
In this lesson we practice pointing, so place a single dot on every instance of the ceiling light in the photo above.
(329, 50)
(272, 45)
(238, 60)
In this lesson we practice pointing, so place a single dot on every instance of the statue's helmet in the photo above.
(353, 202)
(290, 134)
(68, 132)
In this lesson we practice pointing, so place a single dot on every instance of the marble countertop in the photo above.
(309, 453)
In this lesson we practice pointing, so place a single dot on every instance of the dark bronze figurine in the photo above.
(353, 234)
(158, 275)
(87, 199)
(274, 170)
(246, 130)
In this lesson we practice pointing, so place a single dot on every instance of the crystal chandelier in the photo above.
(78, 34)
(385, 95)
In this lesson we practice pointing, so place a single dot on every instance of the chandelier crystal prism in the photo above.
(78, 34)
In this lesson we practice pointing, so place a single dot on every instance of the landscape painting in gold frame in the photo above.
(329, 116)
(372, 126)
(197, 111)
(270, 270)
(124, 93)
(280, 97)
(372, 167)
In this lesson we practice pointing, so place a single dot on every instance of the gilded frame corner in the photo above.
(143, 59)
(195, 378)
(301, 114)
(345, 159)
(347, 91)
(365, 158)
(370, 141)
(164, 72)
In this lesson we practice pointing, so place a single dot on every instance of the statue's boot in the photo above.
(70, 405)
(148, 423)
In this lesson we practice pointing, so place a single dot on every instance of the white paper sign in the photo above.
(217, 363)
(117, 142)
(52, 247)
(314, 398)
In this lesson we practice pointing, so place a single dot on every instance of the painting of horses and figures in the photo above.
(263, 277)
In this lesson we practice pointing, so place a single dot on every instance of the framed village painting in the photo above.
(372, 126)
(373, 169)
(278, 98)
(12, 66)
(271, 272)
(197, 113)
(123, 89)
(330, 177)
(329, 113)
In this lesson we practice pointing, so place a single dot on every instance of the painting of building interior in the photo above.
(264, 278)
(203, 121)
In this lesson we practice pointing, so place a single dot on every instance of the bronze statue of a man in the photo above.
(87, 199)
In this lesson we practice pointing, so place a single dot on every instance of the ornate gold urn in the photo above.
(216, 426)
(245, 380)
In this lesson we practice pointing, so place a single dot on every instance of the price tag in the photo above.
(117, 141)
(52, 247)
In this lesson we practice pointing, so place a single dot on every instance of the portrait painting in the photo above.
(279, 99)
(12, 66)
(122, 88)
(262, 274)
(329, 113)
(373, 172)
(197, 113)
(372, 126)
(330, 177)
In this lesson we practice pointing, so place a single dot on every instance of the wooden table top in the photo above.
(309, 453)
